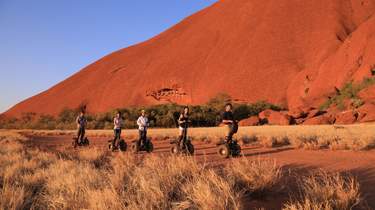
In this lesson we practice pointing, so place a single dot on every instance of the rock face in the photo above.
(367, 94)
(322, 119)
(251, 121)
(346, 117)
(288, 52)
(366, 113)
(274, 118)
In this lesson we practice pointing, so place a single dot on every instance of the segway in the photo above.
(229, 147)
(122, 146)
(84, 143)
(185, 147)
(147, 146)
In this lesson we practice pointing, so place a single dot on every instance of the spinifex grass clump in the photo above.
(274, 141)
(328, 191)
(254, 176)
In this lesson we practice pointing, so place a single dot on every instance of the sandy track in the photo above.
(359, 164)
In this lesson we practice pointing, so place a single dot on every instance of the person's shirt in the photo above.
(142, 123)
(81, 121)
(117, 122)
(228, 116)
(183, 120)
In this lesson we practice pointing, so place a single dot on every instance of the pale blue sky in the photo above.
(43, 42)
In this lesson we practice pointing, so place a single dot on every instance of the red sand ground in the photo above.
(295, 163)
(289, 52)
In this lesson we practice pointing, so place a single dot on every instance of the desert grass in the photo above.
(335, 137)
(95, 179)
(329, 191)
(259, 176)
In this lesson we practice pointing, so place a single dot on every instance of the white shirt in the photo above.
(142, 123)
(117, 122)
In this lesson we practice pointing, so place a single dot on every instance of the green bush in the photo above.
(348, 92)
(163, 116)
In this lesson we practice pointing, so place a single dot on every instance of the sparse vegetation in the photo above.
(347, 137)
(252, 176)
(161, 116)
(327, 191)
(96, 179)
(349, 92)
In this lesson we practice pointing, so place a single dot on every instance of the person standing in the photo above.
(183, 124)
(81, 127)
(229, 122)
(143, 124)
(117, 122)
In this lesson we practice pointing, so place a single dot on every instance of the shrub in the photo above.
(164, 115)
(348, 92)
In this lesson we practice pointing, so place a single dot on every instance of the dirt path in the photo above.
(359, 164)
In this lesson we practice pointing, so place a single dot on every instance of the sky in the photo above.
(42, 42)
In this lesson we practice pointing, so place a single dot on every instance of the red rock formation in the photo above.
(316, 121)
(367, 94)
(274, 117)
(346, 117)
(366, 113)
(251, 121)
(289, 52)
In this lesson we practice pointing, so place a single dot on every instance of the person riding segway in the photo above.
(183, 144)
(143, 143)
(117, 142)
(230, 146)
(80, 139)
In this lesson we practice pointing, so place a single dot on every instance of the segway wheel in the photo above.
(175, 149)
(149, 147)
(86, 142)
(235, 149)
(134, 147)
(74, 143)
(190, 148)
(123, 145)
(223, 150)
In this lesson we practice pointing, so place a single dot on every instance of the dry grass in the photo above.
(95, 179)
(324, 190)
(274, 141)
(258, 176)
(348, 137)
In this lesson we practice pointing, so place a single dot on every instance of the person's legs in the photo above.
(83, 134)
(144, 137)
(114, 138)
(78, 135)
(228, 136)
(140, 132)
(118, 137)
(184, 137)
(180, 135)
